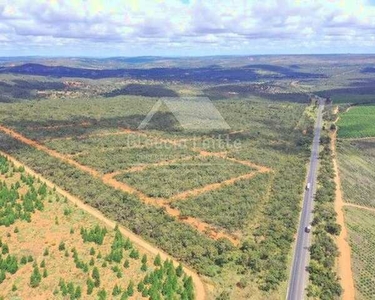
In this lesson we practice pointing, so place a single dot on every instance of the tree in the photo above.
(140, 286)
(157, 261)
(90, 286)
(126, 264)
(144, 259)
(61, 246)
(130, 289)
(35, 278)
(78, 292)
(96, 276)
(179, 270)
(116, 290)
(102, 295)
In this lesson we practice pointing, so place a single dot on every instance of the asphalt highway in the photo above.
(299, 274)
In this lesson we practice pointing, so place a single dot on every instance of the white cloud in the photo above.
(141, 27)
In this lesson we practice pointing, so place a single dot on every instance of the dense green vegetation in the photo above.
(232, 206)
(115, 159)
(358, 122)
(324, 283)
(360, 225)
(166, 181)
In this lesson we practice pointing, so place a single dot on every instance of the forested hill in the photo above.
(201, 74)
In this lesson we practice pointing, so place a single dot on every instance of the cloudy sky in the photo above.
(185, 27)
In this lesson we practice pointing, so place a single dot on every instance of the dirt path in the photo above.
(360, 206)
(198, 284)
(211, 187)
(344, 261)
(49, 151)
(109, 179)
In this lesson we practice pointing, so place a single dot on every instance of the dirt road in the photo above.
(360, 206)
(198, 284)
(109, 179)
(344, 262)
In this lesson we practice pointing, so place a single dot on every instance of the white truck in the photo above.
(308, 186)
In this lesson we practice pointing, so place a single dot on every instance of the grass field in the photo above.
(52, 249)
(358, 122)
(361, 228)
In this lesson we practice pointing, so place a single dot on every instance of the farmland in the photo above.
(357, 161)
(51, 248)
(358, 122)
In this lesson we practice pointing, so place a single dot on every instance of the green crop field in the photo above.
(358, 122)
(361, 227)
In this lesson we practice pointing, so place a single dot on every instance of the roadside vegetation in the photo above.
(324, 282)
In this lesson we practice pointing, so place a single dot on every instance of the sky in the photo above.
(104, 28)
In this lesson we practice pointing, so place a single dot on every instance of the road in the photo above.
(299, 274)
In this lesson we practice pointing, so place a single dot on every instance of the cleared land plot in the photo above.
(230, 207)
(166, 181)
(94, 144)
(52, 249)
(358, 122)
(122, 159)
(357, 170)
(361, 227)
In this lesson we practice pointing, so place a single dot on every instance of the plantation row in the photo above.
(361, 224)
(324, 282)
(357, 170)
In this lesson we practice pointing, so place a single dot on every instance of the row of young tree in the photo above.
(324, 282)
